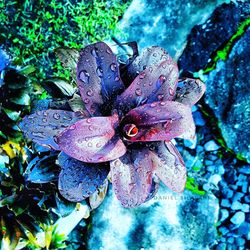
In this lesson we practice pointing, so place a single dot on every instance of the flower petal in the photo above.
(159, 121)
(98, 77)
(150, 56)
(155, 83)
(92, 140)
(169, 166)
(78, 180)
(131, 177)
(189, 91)
(42, 126)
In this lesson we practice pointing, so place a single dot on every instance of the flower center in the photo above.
(130, 130)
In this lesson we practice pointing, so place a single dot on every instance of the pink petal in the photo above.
(159, 121)
(98, 77)
(169, 166)
(92, 140)
(132, 177)
(189, 91)
(155, 83)
(42, 126)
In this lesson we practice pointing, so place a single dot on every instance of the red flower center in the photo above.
(130, 130)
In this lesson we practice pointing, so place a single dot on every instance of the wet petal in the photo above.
(189, 91)
(158, 121)
(78, 180)
(169, 166)
(155, 83)
(150, 56)
(131, 177)
(42, 126)
(98, 77)
(189, 133)
(92, 140)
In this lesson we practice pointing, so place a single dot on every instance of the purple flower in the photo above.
(124, 131)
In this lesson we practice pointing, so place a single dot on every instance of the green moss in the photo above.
(31, 30)
(193, 186)
(222, 53)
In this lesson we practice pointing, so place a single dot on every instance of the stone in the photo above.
(236, 205)
(164, 23)
(225, 203)
(211, 146)
(228, 88)
(244, 169)
(198, 119)
(221, 246)
(168, 221)
(237, 196)
(238, 218)
(240, 241)
(207, 37)
(223, 214)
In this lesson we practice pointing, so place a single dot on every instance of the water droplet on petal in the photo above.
(90, 144)
(94, 52)
(160, 97)
(171, 91)
(113, 67)
(142, 75)
(91, 128)
(56, 116)
(86, 100)
(138, 92)
(152, 105)
(162, 79)
(90, 92)
(162, 103)
(117, 79)
(99, 71)
(109, 51)
(84, 76)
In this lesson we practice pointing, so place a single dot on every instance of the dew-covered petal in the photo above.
(98, 77)
(169, 166)
(149, 56)
(78, 180)
(155, 83)
(158, 121)
(189, 91)
(92, 140)
(189, 133)
(131, 177)
(42, 126)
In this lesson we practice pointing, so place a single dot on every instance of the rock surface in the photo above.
(228, 94)
(164, 23)
(169, 221)
(211, 35)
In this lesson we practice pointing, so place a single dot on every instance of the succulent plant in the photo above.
(122, 130)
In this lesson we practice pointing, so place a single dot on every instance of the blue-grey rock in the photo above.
(237, 196)
(223, 214)
(214, 179)
(240, 241)
(233, 112)
(223, 230)
(236, 205)
(225, 203)
(247, 198)
(244, 169)
(245, 208)
(168, 221)
(221, 246)
(198, 119)
(227, 193)
(244, 186)
(244, 228)
(230, 240)
(164, 23)
(206, 38)
(228, 88)
(238, 218)
(211, 146)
